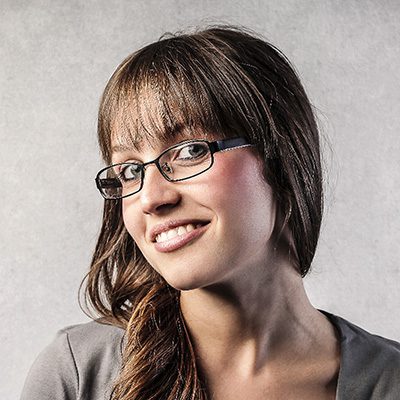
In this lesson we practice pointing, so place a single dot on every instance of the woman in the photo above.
(213, 205)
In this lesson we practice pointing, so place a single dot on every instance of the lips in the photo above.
(156, 230)
(179, 241)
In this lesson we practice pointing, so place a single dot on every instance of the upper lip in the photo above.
(159, 228)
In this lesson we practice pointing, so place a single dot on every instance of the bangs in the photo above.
(166, 91)
(158, 95)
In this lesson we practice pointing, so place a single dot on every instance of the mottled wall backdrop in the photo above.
(56, 56)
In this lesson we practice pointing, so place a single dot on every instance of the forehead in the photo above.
(144, 119)
(123, 141)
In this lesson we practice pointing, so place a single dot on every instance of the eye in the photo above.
(130, 172)
(192, 151)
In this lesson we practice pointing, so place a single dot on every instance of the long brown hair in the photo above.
(220, 80)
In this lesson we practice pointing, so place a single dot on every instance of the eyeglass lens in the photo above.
(177, 163)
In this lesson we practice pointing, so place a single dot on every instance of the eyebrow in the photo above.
(122, 148)
(176, 132)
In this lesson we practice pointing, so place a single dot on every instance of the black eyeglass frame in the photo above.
(216, 146)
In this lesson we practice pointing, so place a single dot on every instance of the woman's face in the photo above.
(230, 207)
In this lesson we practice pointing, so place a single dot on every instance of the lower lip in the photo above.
(179, 241)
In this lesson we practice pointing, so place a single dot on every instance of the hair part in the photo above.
(220, 81)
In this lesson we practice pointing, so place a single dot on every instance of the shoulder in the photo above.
(370, 364)
(93, 340)
(365, 347)
(80, 363)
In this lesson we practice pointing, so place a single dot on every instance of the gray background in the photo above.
(56, 57)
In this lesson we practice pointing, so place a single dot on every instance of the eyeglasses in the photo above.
(177, 163)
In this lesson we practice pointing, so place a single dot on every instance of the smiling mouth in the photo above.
(177, 231)
(178, 237)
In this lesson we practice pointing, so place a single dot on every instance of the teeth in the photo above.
(163, 236)
(181, 230)
(178, 231)
(190, 228)
(172, 233)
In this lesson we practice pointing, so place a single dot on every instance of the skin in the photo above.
(253, 328)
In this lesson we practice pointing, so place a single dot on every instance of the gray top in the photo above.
(83, 360)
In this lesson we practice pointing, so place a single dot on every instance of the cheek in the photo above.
(242, 195)
(131, 219)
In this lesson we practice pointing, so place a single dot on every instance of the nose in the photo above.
(157, 195)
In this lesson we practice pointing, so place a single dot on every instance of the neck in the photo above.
(254, 320)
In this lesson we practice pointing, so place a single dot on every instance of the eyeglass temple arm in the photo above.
(226, 144)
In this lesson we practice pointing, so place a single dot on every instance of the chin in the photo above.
(185, 283)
